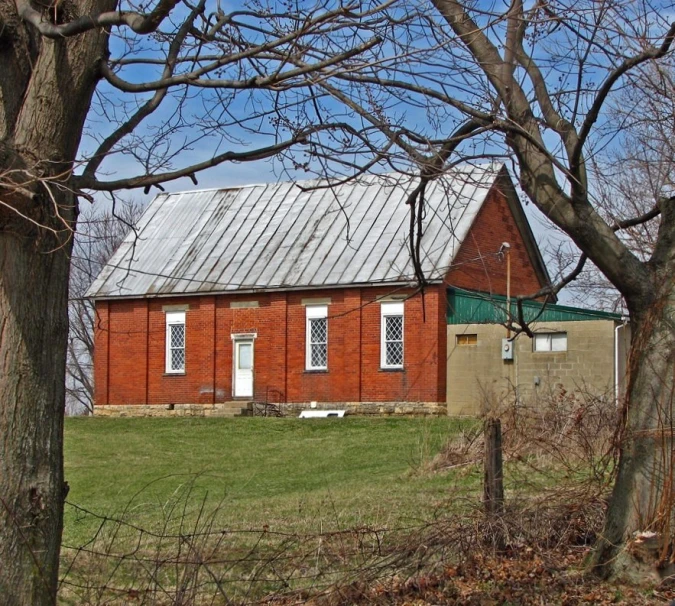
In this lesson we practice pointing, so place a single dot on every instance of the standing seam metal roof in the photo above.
(293, 235)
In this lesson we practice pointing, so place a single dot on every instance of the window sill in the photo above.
(174, 374)
(393, 369)
(315, 371)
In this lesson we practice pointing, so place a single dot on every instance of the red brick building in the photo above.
(297, 294)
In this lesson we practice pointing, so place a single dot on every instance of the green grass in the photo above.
(249, 506)
(289, 474)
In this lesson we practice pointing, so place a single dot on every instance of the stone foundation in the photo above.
(235, 409)
(225, 409)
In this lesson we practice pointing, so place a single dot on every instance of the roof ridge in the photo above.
(492, 165)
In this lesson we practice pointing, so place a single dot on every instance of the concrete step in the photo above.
(236, 408)
(234, 405)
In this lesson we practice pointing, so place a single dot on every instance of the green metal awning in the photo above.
(473, 307)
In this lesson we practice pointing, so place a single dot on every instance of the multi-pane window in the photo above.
(317, 337)
(175, 342)
(391, 347)
(550, 341)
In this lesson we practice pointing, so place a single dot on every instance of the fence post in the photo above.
(493, 484)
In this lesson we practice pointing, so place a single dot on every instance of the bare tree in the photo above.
(166, 89)
(632, 174)
(534, 83)
(99, 233)
(356, 83)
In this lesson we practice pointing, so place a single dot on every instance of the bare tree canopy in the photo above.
(98, 235)
(164, 90)
(168, 89)
(532, 84)
(552, 86)
(633, 175)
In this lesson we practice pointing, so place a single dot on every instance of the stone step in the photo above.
(236, 408)
(234, 404)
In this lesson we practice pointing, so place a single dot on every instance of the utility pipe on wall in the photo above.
(506, 249)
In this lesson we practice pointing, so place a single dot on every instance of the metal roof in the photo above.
(293, 235)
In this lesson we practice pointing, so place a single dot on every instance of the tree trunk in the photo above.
(33, 330)
(643, 496)
(43, 107)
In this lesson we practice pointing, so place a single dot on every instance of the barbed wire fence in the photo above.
(558, 465)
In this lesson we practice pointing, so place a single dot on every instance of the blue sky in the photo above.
(204, 142)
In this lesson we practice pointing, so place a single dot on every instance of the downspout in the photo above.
(616, 365)
(617, 362)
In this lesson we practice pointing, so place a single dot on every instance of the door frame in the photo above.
(238, 338)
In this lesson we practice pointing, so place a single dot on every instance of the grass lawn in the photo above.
(288, 474)
(230, 511)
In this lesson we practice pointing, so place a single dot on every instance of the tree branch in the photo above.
(138, 22)
(90, 182)
(648, 216)
(575, 216)
(610, 81)
(556, 122)
(194, 78)
(465, 108)
(554, 289)
(152, 104)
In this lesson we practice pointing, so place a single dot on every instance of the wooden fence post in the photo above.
(493, 484)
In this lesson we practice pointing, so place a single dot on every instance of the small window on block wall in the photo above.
(550, 341)
(175, 342)
(391, 344)
(317, 337)
(466, 339)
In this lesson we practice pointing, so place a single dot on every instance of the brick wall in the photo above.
(478, 267)
(130, 335)
(130, 349)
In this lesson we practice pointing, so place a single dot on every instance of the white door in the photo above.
(243, 369)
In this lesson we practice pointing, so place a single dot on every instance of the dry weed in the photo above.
(559, 464)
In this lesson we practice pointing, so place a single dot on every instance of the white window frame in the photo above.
(314, 313)
(175, 318)
(388, 310)
(549, 342)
